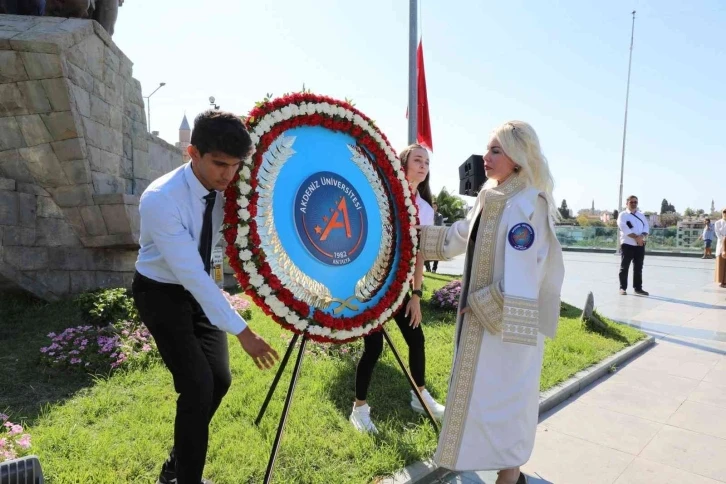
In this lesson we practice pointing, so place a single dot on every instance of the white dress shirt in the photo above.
(425, 211)
(172, 212)
(719, 229)
(638, 226)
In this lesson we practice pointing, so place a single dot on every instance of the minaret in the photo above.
(592, 210)
(185, 138)
(713, 207)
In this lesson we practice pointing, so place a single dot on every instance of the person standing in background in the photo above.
(633, 227)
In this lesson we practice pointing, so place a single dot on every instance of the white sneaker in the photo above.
(360, 417)
(436, 408)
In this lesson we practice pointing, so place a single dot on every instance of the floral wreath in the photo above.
(245, 212)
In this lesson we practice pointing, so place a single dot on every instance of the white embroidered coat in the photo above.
(512, 282)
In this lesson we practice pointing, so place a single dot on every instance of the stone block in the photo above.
(44, 166)
(99, 89)
(42, 40)
(127, 168)
(17, 23)
(100, 111)
(58, 282)
(57, 92)
(7, 184)
(140, 140)
(13, 69)
(111, 60)
(33, 189)
(115, 118)
(34, 97)
(79, 28)
(26, 209)
(93, 220)
(111, 163)
(116, 199)
(141, 165)
(26, 258)
(117, 219)
(46, 208)
(15, 235)
(82, 281)
(8, 208)
(77, 56)
(82, 99)
(95, 49)
(120, 241)
(80, 77)
(140, 185)
(112, 80)
(74, 219)
(106, 279)
(61, 125)
(11, 100)
(104, 183)
(55, 232)
(10, 135)
(34, 130)
(103, 137)
(77, 171)
(73, 196)
(128, 147)
(42, 66)
(123, 261)
(12, 165)
(70, 149)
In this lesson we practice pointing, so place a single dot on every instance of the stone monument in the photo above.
(75, 156)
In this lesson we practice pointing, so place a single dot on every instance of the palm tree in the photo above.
(451, 207)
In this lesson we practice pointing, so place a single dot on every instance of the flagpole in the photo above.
(412, 72)
(625, 123)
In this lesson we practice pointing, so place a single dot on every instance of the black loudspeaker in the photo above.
(471, 176)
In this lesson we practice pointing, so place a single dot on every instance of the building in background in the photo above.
(689, 229)
(185, 138)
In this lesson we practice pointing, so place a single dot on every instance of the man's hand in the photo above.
(640, 240)
(262, 353)
(414, 309)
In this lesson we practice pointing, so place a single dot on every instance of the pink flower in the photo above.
(24, 441)
(51, 335)
(75, 361)
(146, 348)
(15, 430)
(3, 417)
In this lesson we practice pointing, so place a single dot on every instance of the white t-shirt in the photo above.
(425, 211)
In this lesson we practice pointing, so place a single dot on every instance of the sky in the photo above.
(559, 65)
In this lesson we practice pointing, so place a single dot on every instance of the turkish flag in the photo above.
(423, 124)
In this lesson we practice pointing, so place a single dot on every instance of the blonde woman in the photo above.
(510, 300)
(719, 229)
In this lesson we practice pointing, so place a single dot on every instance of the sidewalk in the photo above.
(662, 417)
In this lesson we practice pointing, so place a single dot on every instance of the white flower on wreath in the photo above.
(244, 188)
(264, 290)
(241, 240)
(286, 112)
(243, 202)
(245, 255)
(244, 214)
(245, 173)
(295, 109)
(243, 230)
(257, 280)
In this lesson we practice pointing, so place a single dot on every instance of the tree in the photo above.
(666, 207)
(583, 221)
(689, 212)
(564, 211)
(700, 211)
(615, 214)
(451, 207)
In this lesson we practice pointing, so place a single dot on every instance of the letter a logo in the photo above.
(334, 223)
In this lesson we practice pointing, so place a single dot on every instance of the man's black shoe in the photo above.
(641, 292)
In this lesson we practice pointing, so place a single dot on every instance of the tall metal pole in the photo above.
(412, 70)
(148, 104)
(625, 123)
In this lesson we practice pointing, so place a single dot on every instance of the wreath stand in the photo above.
(291, 390)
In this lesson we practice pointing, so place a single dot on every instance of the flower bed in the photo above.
(14, 442)
(448, 296)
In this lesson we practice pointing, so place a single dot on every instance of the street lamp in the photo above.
(211, 102)
(148, 103)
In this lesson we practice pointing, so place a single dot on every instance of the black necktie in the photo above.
(205, 239)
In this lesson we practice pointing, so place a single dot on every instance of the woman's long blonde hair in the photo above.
(520, 142)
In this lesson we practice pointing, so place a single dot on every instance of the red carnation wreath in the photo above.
(267, 123)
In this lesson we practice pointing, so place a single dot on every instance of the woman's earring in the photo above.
(516, 168)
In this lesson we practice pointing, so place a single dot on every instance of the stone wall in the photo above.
(74, 157)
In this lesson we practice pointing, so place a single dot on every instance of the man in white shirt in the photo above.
(633, 227)
(186, 313)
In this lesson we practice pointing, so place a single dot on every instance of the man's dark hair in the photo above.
(221, 131)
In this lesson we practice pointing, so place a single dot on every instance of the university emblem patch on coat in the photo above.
(521, 236)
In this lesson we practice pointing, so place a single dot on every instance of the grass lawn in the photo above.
(118, 428)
